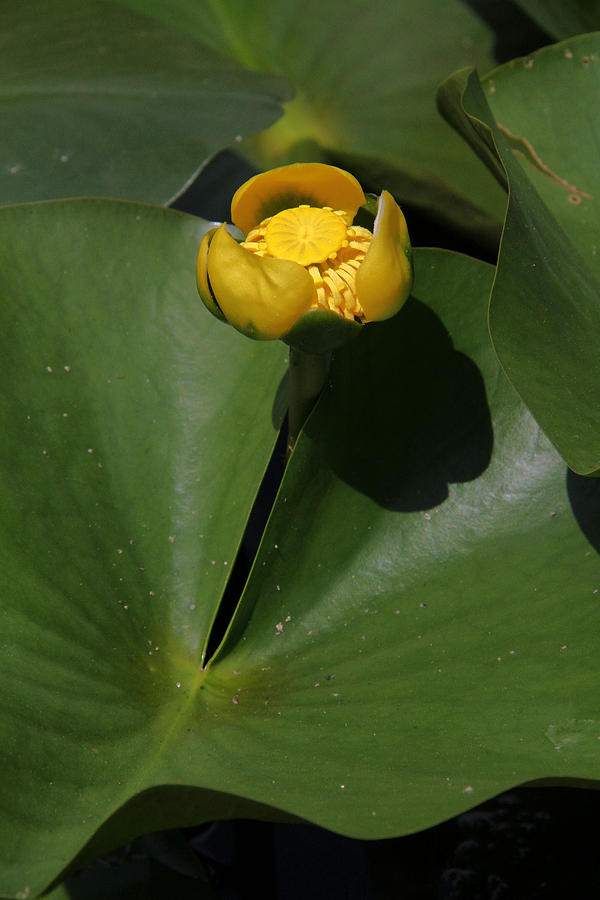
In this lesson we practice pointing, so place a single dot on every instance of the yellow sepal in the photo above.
(202, 276)
(384, 279)
(315, 184)
(261, 297)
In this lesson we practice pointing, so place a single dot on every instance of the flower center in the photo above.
(319, 240)
(305, 234)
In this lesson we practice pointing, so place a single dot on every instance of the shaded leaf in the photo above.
(365, 74)
(97, 99)
(431, 205)
(563, 18)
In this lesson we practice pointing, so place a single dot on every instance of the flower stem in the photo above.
(308, 372)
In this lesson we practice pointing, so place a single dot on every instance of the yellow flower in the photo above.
(304, 267)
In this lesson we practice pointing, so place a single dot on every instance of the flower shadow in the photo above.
(405, 414)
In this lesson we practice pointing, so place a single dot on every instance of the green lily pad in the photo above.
(536, 123)
(132, 419)
(419, 625)
(100, 100)
(418, 629)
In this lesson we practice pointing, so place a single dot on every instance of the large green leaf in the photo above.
(418, 629)
(420, 626)
(538, 120)
(135, 432)
(100, 100)
(365, 74)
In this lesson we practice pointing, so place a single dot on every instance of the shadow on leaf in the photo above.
(406, 414)
(584, 497)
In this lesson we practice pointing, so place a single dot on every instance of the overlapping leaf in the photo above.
(418, 629)
(563, 18)
(538, 121)
(99, 100)
(365, 75)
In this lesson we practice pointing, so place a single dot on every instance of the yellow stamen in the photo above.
(319, 240)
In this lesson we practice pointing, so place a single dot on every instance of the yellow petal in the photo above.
(384, 279)
(202, 275)
(315, 184)
(261, 297)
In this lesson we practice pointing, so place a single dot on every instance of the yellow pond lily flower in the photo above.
(304, 266)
